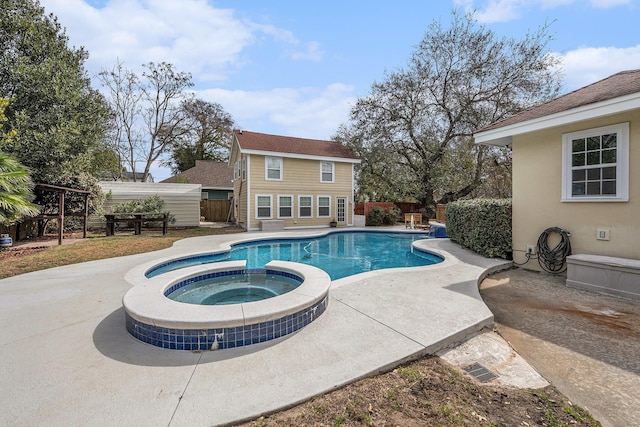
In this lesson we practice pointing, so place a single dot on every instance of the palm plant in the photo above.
(15, 190)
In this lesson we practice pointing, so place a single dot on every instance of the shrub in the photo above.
(150, 204)
(393, 215)
(379, 216)
(482, 225)
(375, 216)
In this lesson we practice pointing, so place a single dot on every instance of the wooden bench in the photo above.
(137, 219)
(605, 275)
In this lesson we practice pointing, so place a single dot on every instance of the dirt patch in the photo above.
(430, 392)
(8, 254)
(34, 245)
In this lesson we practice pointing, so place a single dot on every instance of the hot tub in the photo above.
(154, 318)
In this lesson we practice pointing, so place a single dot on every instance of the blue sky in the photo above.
(295, 68)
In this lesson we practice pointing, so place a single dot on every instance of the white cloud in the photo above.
(191, 34)
(587, 65)
(303, 112)
(312, 52)
(499, 11)
(492, 11)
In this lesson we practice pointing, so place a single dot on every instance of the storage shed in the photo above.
(182, 200)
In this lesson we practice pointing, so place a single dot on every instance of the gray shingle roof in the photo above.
(209, 174)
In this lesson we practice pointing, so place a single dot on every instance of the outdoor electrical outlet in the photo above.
(531, 250)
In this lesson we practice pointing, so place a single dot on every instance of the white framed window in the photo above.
(263, 206)
(236, 170)
(285, 206)
(595, 164)
(327, 171)
(305, 206)
(244, 169)
(273, 168)
(324, 206)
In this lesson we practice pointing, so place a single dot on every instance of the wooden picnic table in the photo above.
(137, 218)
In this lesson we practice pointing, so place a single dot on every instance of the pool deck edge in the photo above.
(68, 359)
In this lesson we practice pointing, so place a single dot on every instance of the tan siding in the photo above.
(301, 177)
(537, 180)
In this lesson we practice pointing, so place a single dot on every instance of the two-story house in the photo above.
(293, 182)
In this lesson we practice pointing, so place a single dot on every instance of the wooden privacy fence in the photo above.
(441, 212)
(409, 207)
(214, 210)
(405, 207)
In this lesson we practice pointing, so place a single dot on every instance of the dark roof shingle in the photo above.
(617, 85)
(291, 145)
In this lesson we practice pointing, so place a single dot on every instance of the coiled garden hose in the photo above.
(553, 260)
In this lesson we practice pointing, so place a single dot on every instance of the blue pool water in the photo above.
(235, 288)
(340, 254)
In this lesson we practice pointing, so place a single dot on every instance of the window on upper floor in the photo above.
(326, 171)
(263, 206)
(285, 206)
(305, 206)
(273, 168)
(595, 165)
(244, 168)
(324, 206)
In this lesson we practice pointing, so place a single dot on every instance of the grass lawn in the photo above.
(19, 260)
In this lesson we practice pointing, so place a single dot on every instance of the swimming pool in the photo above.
(340, 254)
(154, 318)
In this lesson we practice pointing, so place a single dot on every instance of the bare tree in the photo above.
(146, 113)
(124, 96)
(414, 131)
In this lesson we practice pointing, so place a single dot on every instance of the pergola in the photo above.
(60, 215)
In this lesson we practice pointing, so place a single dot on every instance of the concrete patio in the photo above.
(68, 360)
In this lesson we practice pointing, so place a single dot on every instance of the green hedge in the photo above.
(482, 225)
(150, 204)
